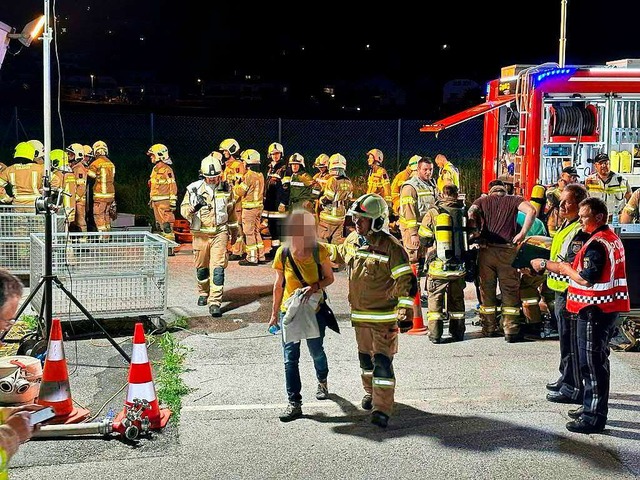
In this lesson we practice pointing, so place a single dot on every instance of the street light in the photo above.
(92, 91)
(201, 84)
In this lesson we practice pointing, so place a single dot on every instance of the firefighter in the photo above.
(23, 180)
(568, 176)
(596, 295)
(77, 156)
(63, 182)
(302, 190)
(448, 174)
(382, 287)
(208, 205)
(275, 197)
(321, 178)
(630, 211)
(494, 218)
(234, 170)
(5, 198)
(610, 187)
(445, 224)
(102, 172)
(250, 195)
(163, 191)
(398, 180)
(39, 151)
(417, 195)
(335, 201)
(378, 179)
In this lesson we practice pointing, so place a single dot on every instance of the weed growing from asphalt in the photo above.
(171, 387)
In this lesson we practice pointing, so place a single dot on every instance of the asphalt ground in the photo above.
(474, 409)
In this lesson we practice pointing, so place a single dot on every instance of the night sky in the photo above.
(321, 43)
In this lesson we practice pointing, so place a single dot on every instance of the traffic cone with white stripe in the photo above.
(55, 391)
(419, 327)
(141, 384)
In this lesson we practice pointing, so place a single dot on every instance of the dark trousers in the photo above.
(570, 378)
(275, 231)
(595, 330)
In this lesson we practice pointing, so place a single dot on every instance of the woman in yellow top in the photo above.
(312, 260)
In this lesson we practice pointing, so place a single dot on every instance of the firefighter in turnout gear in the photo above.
(335, 201)
(234, 170)
(399, 180)
(447, 174)
(322, 177)
(38, 156)
(63, 182)
(250, 195)
(275, 197)
(208, 206)
(446, 225)
(23, 180)
(378, 179)
(302, 190)
(382, 288)
(163, 191)
(76, 153)
(610, 187)
(102, 173)
(417, 195)
(4, 198)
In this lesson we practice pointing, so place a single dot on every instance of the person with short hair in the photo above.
(447, 173)
(611, 187)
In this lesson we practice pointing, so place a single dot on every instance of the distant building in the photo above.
(458, 90)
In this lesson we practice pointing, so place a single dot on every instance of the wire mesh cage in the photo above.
(112, 274)
(16, 225)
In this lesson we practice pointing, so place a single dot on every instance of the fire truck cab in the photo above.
(539, 119)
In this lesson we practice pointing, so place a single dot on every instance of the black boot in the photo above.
(215, 310)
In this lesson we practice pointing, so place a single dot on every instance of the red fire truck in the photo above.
(539, 119)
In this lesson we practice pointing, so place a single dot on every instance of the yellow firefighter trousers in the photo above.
(251, 227)
(210, 253)
(163, 216)
(446, 297)
(377, 344)
(101, 214)
(494, 265)
(414, 255)
(80, 222)
(238, 246)
(530, 296)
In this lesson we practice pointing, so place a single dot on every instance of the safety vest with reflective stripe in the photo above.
(251, 189)
(448, 175)
(162, 183)
(560, 246)
(610, 292)
(415, 202)
(378, 182)
(337, 193)
(612, 191)
(103, 171)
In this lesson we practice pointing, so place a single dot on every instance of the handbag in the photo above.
(324, 315)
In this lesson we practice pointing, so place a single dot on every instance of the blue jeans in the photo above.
(291, 363)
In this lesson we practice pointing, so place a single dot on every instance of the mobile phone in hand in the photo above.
(40, 416)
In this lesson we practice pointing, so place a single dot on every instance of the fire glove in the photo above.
(172, 205)
(282, 208)
(404, 319)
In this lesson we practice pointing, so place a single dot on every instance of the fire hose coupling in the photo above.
(133, 424)
(14, 383)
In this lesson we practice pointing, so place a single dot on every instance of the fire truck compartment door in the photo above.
(467, 114)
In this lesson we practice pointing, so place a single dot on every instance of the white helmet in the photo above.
(231, 145)
(377, 155)
(211, 165)
(275, 147)
(337, 161)
(39, 147)
(88, 151)
(296, 159)
(78, 152)
(250, 157)
(159, 153)
(100, 148)
(322, 160)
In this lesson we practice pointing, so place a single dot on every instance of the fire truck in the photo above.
(539, 119)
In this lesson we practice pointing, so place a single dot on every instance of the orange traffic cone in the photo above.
(419, 327)
(55, 391)
(141, 384)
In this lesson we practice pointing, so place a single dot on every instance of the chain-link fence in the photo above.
(190, 138)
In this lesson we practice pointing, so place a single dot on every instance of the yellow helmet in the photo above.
(337, 161)
(60, 160)
(413, 162)
(296, 159)
(275, 147)
(39, 147)
(25, 150)
(77, 150)
(230, 145)
(88, 151)
(159, 153)
(100, 148)
(377, 155)
(211, 165)
(373, 206)
(250, 157)
(322, 160)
